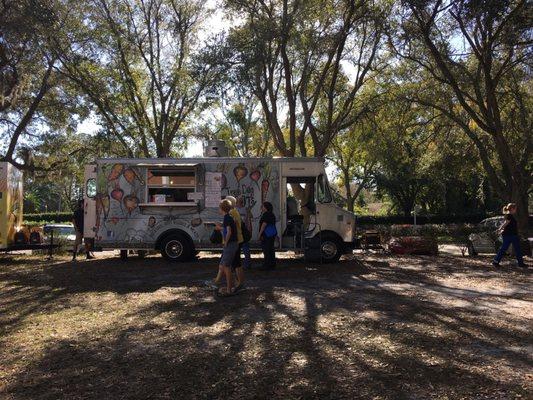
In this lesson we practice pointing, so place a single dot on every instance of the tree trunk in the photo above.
(519, 196)
(350, 203)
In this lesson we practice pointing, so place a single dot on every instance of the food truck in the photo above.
(171, 205)
(10, 204)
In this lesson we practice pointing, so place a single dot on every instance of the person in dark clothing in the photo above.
(267, 235)
(509, 232)
(78, 226)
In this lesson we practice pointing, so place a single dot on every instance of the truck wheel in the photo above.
(331, 248)
(176, 247)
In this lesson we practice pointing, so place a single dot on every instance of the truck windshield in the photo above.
(323, 192)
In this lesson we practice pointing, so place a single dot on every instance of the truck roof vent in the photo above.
(215, 148)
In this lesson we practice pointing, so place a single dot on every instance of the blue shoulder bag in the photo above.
(271, 231)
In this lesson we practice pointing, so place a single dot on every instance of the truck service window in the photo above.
(170, 185)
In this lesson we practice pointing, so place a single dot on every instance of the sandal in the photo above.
(226, 294)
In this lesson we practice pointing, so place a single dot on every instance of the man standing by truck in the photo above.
(78, 226)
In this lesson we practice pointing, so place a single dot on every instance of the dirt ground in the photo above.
(371, 326)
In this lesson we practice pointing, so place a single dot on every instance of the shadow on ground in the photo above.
(377, 327)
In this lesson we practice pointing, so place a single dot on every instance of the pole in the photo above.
(414, 214)
(50, 254)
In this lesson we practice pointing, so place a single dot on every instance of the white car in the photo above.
(487, 241)
(64, 234)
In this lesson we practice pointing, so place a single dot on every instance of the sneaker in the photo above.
(238, 288)
(89, 257)
(496, 264)
(210, 284)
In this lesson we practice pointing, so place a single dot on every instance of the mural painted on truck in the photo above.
(123, 217)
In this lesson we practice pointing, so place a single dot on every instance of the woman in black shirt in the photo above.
(267, 235)
(509, 232)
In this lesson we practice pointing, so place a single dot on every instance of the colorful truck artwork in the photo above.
(172, 204)
(10, 203)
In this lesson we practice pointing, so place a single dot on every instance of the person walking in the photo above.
(267, 235)
(509, 232)
(78, 226)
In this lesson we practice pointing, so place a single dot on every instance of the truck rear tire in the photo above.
(331, 248)
(176, 247)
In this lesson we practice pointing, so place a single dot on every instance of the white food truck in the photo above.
(171, 205)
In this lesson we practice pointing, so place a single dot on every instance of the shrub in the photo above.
(420, 219)
(50, 218)
(443, 232)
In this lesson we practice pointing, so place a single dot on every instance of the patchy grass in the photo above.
(373, 326)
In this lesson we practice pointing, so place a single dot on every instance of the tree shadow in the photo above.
(355, 330)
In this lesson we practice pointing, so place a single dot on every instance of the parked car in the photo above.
(64, 235)
(487, 241)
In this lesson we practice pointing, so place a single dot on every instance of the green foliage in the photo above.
(241, 127)
(472, 63)
(292, 55)
(144, 71)
(48, 218)
(422, 103)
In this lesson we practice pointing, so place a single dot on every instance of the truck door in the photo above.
(325, 214)
(89, 203)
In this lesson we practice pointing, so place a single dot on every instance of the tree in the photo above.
(139, 64)
(351, 157)
(240, 126)
(33, 95)
(482, 85)
(291, 54)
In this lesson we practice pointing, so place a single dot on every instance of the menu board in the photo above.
(213, 188)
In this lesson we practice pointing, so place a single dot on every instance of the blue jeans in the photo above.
(246, 251)
(507, 241)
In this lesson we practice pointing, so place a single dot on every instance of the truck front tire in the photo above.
(176, 247)
(331, 248)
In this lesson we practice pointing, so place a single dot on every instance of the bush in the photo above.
(442, 232)
(50, 218)
(420, 219)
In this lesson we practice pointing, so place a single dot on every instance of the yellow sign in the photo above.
(10, 203)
